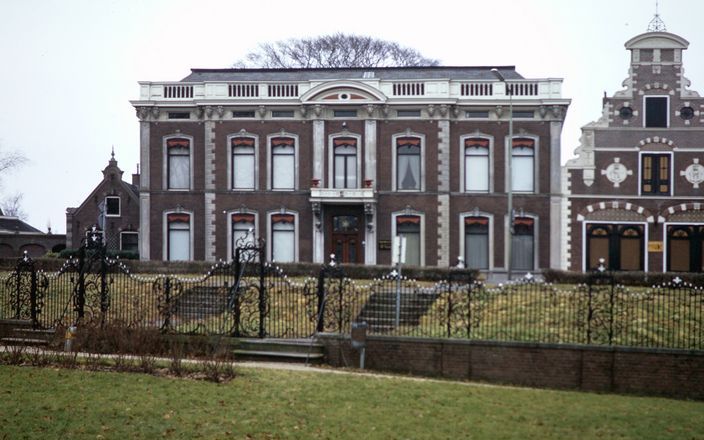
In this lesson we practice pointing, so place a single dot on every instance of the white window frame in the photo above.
(536, 240)
(603, 222)
(119, 206)
(463, 235)
(331, 158)
(667, 111)
(422, 228)
(165, 162)
(640, 172)
(269, 161)
(270, 235)
(230, 170)
(666, 238)
(122, 233)
(165, 233)
(463, 162)
(508, 150)
(229, 214)
(394, 171)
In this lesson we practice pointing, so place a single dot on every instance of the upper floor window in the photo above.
(656, 111)
(523, 165)
(178, 166)
(243, 162)
(345, 113)
(178, 238)
(112, 206)
(345, 162)
(408, 163)
(476, 164)
(655, 174)
(283, 238)
(283, 163)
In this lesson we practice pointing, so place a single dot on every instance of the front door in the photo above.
(345, 228)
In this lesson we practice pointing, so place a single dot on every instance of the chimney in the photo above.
(135, 177)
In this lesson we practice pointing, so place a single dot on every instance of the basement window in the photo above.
(282, 113)
(476, 114)
(243, 114)
(523, 114)
(415, 113)
(345, 113)
(179, 115)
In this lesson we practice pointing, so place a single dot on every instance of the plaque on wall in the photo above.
(655, 246)
(384, 245)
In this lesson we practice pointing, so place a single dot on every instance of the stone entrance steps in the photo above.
(279, 350)
(20, 332)
(380, 309)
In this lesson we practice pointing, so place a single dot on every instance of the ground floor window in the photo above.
(409, 226)
(523, 244)
(178, 237)
(283, 238)
(621, 246)
(476, 242)
(685, 248)
(242, 232)
(129, 241)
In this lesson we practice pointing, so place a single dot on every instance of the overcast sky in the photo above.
(70, 67)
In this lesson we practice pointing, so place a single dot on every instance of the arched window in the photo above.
(620, 245)
(243, 162)
(476, 164)
(685, 248)
(476, 242)
(283, 238)
(408, 163)
(345, 162)
(242, 231)
(598, 240)
(283, 163)
(523, 165)
(178, 167)
(178, 240)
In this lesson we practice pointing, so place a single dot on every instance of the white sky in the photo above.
(70, 67)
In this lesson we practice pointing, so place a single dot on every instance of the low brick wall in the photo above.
(655, 372)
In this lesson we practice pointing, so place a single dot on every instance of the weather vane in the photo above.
(656, 24)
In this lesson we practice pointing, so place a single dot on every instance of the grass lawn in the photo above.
(51, 404)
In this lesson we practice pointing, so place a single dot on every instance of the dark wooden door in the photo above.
(345, 237)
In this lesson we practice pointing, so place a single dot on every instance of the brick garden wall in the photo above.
(675, 373)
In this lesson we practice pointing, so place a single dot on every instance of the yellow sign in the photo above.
(655, 246)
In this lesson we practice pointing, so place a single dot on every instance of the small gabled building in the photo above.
(113, 207)
(633, 193)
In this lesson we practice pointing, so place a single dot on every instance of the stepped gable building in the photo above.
(321, 161)
(112, 207)
(633, 192)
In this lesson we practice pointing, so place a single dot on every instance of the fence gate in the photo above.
(25, 289)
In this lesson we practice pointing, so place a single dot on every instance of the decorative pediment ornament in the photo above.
(443, 110)
(209, 111)
(385, 110)
(556, 111)
(155, 112)
(370, 109)
(304, 111)
(200, 111)
(142, 113)
(694, 173)
(431, 110)
(543, 111)
(499, 111)
(616, 172)
(262, 111)
(318, 110)
(455, 111)
(220, 111)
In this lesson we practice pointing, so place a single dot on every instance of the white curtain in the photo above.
(522, 252)
(412, 247)
(243, 168)
(239, 231)
(283, 242)
(283, 167)
(476, 170)
(179, 168)
(408, 171)
(522, 166)
(179, 242)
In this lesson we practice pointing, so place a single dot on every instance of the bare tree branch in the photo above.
(336, 51)
(12, 206)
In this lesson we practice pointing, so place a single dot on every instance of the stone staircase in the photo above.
(20, 332)
(379, 312)
(279, 350)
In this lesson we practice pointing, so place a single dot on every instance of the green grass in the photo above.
(50, 403)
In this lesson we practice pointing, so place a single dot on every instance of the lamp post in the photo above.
(509, 160)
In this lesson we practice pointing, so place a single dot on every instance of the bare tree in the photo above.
(12, 206)
(336, 50)
(9, 160)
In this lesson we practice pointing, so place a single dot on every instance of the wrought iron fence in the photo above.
(251, 298)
